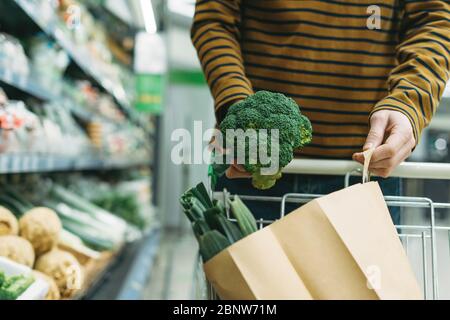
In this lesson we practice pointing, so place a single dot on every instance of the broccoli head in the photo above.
(267, 110)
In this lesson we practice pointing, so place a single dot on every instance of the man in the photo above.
(361, 87)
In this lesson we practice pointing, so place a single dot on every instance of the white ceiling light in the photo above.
(149, 16)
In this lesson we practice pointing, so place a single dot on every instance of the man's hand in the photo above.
(391, 134)
(236, 171)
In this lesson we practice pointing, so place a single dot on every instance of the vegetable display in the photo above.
(12, 287)
(64, 268)
(123, 205)
(11, 200)
(211, 226)
(63, 237)
(268, 110)
(8, 223)
(17, 249)
(95, 226)
(53, 292)
(42, 227)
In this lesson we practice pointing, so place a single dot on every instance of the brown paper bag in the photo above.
(341, 246)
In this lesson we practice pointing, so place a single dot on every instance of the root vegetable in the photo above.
(53, 292)
(17, 249)
(8, 223)
(41, 226)
(64, 268)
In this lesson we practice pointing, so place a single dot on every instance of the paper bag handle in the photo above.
(367, 157)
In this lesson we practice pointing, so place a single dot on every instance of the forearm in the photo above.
(215, 35)
(417, 84)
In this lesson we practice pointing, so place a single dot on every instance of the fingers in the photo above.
(386, 158)
(378, 126)
(387, 150)
(236, 172)
(358, 157)
(384, 168)
(391, 148)
(396, 148)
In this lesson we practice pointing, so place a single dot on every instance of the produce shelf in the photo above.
(104, 267)
(92, 104)
(81, 58)
(25, 85)
(33, 89)
(31, 163)
(141, 268)
(125, 277)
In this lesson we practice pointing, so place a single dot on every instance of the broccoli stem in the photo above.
(264, 182)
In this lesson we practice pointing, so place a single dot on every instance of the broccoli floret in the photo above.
(268, 110)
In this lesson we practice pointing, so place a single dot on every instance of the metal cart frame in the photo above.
(423, 235)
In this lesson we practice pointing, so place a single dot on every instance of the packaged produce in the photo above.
(8, 223)
(12, 287)
(42, 227)
(17, 282)
(17, 249)
(112, 228)
(49, 62)
(12, 56)
(18, 126)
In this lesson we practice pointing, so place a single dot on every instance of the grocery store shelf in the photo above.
(141, 268)
(81, 58)
(105, 268)
(32, 88)
(128, 274)
(31, 163)
(25, 85)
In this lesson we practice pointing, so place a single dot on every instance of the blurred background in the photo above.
(90, 93)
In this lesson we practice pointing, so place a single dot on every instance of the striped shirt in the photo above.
(341, 60)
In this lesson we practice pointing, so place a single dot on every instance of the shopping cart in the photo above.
(426, 243)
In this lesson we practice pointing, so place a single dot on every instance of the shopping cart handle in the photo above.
(416, 170)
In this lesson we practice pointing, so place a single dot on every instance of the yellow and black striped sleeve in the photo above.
(416, 85)
(216, 37)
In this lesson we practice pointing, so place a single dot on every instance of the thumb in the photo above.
(378, 125)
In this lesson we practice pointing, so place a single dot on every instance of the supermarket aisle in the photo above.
(77, 150)
(174, 268)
